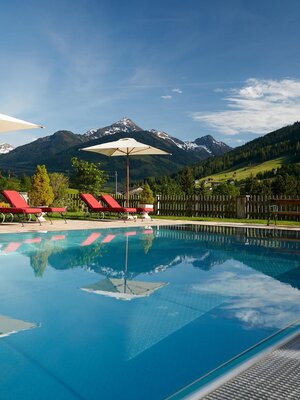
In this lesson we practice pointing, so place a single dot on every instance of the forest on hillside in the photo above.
(279, 181)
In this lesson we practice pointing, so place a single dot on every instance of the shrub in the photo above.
(41, 192)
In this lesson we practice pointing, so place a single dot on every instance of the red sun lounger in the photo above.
(111, 202)
(93, 205)
(16, 200)
(114, 205)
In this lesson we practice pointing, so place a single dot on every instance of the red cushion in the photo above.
(53, 209)
(91, 202)
(110, 201)
(18, 210)
(15, 198)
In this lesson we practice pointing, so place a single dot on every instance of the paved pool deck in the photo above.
(72, 224)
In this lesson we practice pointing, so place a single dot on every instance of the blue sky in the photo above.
(227, 68)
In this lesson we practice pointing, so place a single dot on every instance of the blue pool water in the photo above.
(137, 313)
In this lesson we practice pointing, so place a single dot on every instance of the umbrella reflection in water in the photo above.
(124, 288)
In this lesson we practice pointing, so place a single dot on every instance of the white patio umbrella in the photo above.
(8, 123)
(125, 147)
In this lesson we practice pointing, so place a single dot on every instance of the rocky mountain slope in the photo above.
(55, 151)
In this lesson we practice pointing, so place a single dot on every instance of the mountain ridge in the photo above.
(56, 150)
(279, 143)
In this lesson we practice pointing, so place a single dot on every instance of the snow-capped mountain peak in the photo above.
(5, 148)
(123, 125)
(206, 145)
(165, 136)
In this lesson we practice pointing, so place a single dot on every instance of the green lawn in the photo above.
(81, 215)
(71, 191)
(247, 171)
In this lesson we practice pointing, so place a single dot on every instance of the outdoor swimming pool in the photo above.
(137, 313)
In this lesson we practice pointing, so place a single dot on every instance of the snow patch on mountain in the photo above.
(194, 146)
(5, 148)
(165, 136)
(124, 125)
(188, 145)
(206, 144)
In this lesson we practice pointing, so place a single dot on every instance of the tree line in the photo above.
(51, 189)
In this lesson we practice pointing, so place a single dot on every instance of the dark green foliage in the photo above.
(9, 183)
(60, 184)
(286, 184)
(25, 183)
(165, 185)
(186, 180)
(226, 189)
(254, 186)
(88, 177)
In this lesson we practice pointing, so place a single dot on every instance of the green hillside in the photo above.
(281, 144)
(268, 165)
(248, 170)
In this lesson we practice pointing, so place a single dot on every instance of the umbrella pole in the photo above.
(126, 264)
(127, 180)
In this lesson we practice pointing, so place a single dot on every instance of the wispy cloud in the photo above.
(177, 90)
(166, 97)
(257, 300)
(260, 106)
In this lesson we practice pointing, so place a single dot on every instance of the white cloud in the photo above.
(177, 90)
(260, 106)
(257, 300)
(166, 97)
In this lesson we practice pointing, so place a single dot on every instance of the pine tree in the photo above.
(187, 181)
(146, 196)
(41, 192)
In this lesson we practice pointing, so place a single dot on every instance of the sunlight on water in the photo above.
(137, 313)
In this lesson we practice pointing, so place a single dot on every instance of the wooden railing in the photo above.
(247, 207)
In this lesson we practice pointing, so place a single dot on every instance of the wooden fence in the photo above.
(251, 207)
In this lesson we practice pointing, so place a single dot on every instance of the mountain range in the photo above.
(56, 151)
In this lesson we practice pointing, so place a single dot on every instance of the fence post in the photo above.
(241, 206)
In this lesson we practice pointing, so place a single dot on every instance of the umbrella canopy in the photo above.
(8, 123)
(125, 147)
(123, 289)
